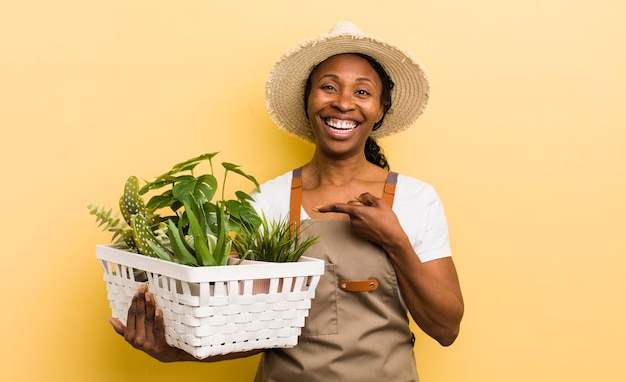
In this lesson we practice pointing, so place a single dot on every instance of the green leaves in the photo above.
(197, 229)
(168, 178)
(223, 244)
(188, 188)
(274, 241)
(236, 169)
(111, 222)
(182, 223)
(241, 212)
(190, 164)
(181, 249)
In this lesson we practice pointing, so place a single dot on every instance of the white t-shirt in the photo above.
(416, 205)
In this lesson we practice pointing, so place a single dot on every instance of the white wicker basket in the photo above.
(213, 310)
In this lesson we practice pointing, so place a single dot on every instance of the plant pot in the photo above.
(215, 310)
(259, 286)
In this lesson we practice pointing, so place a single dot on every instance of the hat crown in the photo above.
(345, 27)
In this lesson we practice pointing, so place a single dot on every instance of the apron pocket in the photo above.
(322, 319)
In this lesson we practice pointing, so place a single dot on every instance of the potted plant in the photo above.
(180, 242)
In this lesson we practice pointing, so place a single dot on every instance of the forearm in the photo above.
(430, 290)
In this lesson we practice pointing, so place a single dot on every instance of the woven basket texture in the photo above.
(216, 310)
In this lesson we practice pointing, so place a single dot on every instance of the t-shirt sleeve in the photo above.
(422, 216)
(273, 198)
(435, 243)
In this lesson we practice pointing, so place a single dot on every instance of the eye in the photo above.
(362, 92)
(328, 87)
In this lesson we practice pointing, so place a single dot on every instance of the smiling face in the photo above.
(344, 104)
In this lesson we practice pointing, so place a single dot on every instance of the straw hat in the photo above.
(284, 89)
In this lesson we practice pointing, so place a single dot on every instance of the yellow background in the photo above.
(524, 139)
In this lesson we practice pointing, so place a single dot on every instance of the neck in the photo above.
(321, 170)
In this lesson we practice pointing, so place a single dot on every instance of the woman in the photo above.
(383, 235)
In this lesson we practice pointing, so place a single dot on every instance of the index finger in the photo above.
(343, 208)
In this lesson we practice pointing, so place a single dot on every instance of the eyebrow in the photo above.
(336, 78)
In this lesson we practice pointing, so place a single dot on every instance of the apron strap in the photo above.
(295, 202)
(390, 188)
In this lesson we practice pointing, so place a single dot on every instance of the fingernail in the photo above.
(148, 296)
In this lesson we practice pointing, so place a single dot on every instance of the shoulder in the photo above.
(415, 191)
(421, 215)
(414, 198)
(277, 183)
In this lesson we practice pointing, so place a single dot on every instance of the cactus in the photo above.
(145, 239)
(129, 240)
(131, 203)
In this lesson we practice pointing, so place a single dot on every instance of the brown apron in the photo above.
(357, 329)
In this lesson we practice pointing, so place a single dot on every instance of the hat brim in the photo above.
(284, 90)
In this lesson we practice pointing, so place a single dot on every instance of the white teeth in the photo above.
(341, 124)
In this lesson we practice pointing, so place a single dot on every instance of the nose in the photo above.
(343, 101)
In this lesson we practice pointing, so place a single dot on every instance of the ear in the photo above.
(381, 115)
